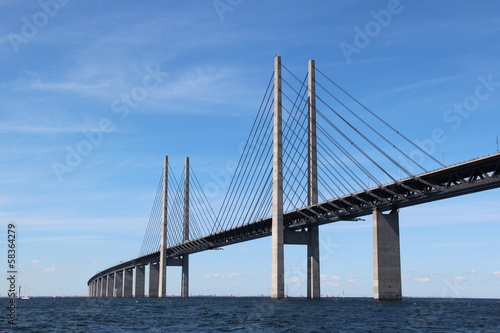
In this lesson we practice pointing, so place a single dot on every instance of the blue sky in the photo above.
(198, 70)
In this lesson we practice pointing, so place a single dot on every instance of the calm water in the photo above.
(252, 315)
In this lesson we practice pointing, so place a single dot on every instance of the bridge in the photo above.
(311, 141)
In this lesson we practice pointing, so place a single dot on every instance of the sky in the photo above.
(125, 83)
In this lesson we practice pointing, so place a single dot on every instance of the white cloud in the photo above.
(351, 280)
(35, 261)
(326, 277)
(49, 270)
(296, 279)
(222, 276)
(417, 279)
(496, 274)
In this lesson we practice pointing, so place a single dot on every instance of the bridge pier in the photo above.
(139, 281)
(154, 273)
(104, 286)
(313, 280)
(128, 278)
(118, 284)
(386, 256)
(111, 283)
(101, 283)
(185, 276)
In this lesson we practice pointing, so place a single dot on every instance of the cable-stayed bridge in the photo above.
(315, 155)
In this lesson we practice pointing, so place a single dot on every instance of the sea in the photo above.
(252, 314)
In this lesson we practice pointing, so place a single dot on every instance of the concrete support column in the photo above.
(101, 282)
(153, 279)
(185, 276)
(277, 241)
(162, 288)
(105, 286)
(111, 284)
(313, 280)
(313, 272)
(128, 278)
(386, 256)
(185, 258)
(139, 281)
(118, 284)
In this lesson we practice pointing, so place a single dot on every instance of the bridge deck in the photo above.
(464, 178)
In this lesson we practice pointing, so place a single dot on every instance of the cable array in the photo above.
(151, 240)
(201, 214)
(356, 150)
(249, 195)
(295, 142)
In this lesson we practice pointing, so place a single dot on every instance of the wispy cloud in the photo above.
(222, 276)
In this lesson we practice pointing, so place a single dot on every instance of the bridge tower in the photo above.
(185, 257)
(313, 280)
(158, 270)
(162, 283)
(277, 241)
(280, 236)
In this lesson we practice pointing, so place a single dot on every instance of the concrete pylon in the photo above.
(139, 281)
(313, 272)
(111, 284)
(386, 256)
(128, 278)
(185, 258)
(277, 236)
(153, 279)
(102, 286)
(162, 279)
(118, 284)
